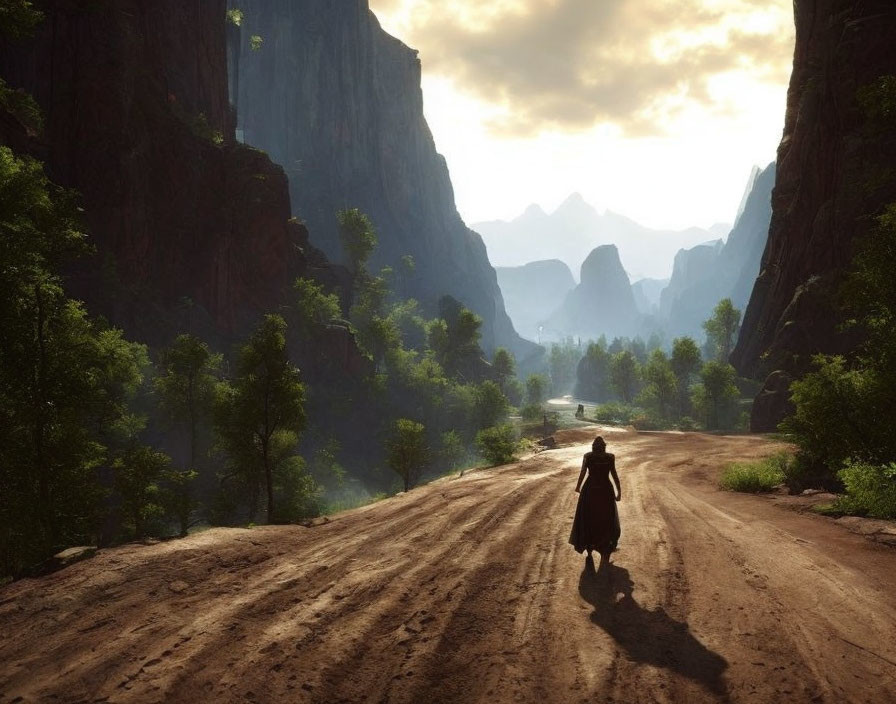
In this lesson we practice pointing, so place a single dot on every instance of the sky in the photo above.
(656, 109)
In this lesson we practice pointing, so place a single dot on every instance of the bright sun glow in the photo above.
(706, 134)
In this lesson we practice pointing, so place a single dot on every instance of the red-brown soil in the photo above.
(466, 590)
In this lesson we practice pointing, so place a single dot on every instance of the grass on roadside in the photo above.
(755, 477)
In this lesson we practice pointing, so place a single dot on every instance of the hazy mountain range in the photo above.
(573, 230)
(545, 303)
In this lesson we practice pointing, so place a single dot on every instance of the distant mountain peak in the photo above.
(575, 203)
(534, 211)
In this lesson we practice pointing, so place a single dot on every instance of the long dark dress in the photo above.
(596, 525)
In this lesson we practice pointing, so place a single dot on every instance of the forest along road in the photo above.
(466, 590)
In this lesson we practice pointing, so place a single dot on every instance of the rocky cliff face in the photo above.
(534, 291)
(705, 275)
(192, 230)
(338, 102)
(829, 187)
(693, 269)
(602, 303)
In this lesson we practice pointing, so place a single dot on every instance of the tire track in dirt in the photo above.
(467, 591)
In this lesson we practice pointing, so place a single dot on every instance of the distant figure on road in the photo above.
(596, 525)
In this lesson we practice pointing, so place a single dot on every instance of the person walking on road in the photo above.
(596, 523)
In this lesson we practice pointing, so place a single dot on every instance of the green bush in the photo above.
(756, 477)
(687, 424)
(532, 411)
(870, 490)
(616, 413)
(497, 445)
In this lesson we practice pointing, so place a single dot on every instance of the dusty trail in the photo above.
(466, 591)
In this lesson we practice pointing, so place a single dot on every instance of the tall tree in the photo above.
(685, 364)
(407, 453)
(536, 388)
(185, 386)
(454, 339)
(661, 383)
(65, 380)
(261, 413)
(721, 329)
(358, 238)
(716, 396)
(624, 375)
(504, 366)
(593, 374)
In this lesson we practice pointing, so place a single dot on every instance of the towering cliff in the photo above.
(192, 230)
(704, 275)
(831, 182)
(338, 102)
(602, 303)
(534, 291)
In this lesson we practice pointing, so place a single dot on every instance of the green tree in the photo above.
(454, 340)
(837, 411)
(624, 375)
(715, 398)
(452, 452)
(536, 388)
(497, 445)
(358, 238)
(504, 367)
(685, 364)
(313, 307)
(407, 453)
(65, 381)
(661, 388)
(721, 329)
(491, 404)
(138, 474)
(593, 374)
(19, 18)
(261, 412)
(185, 386)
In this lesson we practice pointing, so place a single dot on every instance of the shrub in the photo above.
(870, 490)
(532, 411)
(497, 445)
(755, 477)
(687, 424)
(616, 413)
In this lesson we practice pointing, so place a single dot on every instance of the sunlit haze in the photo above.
(649, 108)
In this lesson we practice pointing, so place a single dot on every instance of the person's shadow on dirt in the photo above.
(648, 635)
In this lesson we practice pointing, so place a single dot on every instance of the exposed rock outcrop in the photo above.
(647, 293)
(829, 188)
(706, 274)
(534, 291)
(338, 102)
(192, 230)
(692, 268)
(602, 303)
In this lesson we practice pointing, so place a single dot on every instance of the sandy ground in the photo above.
(467, 591)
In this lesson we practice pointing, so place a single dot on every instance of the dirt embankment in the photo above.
(467, 591)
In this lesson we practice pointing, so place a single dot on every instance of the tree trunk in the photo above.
(269, 480)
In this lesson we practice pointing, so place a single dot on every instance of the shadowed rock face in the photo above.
(338, 102)
(602, 303)
(706, 274)
(534, 291)
(826, 193)
(192, 230)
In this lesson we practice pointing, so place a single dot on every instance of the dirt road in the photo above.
(467, 591)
